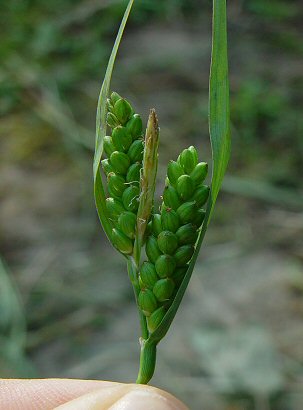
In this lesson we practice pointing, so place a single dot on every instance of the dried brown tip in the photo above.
(154, 119)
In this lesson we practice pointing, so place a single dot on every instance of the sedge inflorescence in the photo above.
(160, 245)
(124, 150)
(172, 235)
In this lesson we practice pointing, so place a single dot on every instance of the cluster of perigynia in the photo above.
(124, 151)
(172, 233)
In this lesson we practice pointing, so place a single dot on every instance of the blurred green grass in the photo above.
(75, 305)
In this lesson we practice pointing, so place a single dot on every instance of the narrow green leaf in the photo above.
(101, 128)
(220, 142)
(219, 124)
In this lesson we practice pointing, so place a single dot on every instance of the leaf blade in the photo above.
(219, 124)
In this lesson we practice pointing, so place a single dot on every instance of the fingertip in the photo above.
(148, 398)
(125, 397)
(72, 394)
(45, 394)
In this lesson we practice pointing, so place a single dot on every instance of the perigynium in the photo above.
(160, 242)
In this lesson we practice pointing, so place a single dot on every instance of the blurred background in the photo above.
(67, 307)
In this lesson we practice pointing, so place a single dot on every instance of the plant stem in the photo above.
(132, 269)
(147, 361)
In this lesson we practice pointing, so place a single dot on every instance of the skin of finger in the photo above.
(44, 394)
(125, 397)
(47, 394)
(148, 398)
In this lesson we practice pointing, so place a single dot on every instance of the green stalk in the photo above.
(147, 361)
